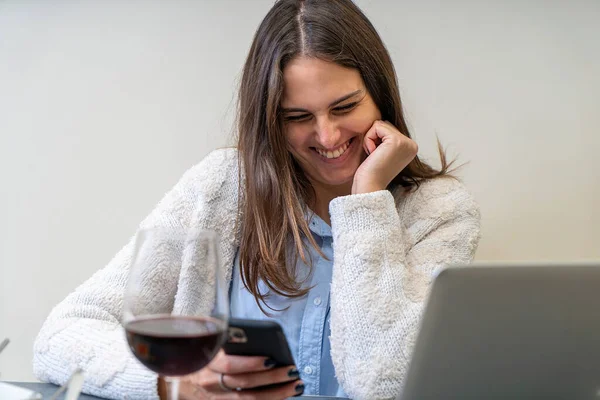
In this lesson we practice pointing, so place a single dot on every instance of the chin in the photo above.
(341, 178)
(335, 181)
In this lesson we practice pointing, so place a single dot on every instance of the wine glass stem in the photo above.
(173, 389)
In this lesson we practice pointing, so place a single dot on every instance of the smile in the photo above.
(336, 153)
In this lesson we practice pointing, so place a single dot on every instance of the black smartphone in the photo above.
(252, 337)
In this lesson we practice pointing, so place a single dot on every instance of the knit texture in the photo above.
(387, 247)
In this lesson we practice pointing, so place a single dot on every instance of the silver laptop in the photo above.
(509, 332)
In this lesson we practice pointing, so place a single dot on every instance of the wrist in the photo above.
(359, 187)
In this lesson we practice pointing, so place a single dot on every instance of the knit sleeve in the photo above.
(84, 329)
(385, 256)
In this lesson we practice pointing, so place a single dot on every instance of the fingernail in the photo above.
(269, 362)
(299, 389)
(293, 373)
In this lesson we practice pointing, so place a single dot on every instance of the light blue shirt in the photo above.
(306, 319)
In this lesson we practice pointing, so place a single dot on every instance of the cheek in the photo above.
(359, 121)
(296, 137)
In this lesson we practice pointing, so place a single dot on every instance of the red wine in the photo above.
(175, 345)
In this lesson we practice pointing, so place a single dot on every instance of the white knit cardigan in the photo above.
(386, 247)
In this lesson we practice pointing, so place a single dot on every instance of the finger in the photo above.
(291, 389)
(378, 133)
(281, 392)
(189, 391)
(228, 364)
(371, 138)
(383, 130)
(258, 379)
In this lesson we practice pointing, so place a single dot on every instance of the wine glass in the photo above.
(176, 304)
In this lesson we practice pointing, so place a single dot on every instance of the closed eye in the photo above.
(304, 117)
(298, 117)
(345, 108)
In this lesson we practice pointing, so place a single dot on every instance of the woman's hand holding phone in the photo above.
(389, 152)
(241, 377)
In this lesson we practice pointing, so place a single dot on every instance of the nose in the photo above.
(327, 132)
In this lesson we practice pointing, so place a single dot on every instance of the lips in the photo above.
(335, 153)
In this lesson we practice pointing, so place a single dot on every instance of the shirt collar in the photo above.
(317, 225)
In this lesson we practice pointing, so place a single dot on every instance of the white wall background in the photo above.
(104, 104)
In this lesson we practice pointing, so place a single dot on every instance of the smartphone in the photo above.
(252, 337)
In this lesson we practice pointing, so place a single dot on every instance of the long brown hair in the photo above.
(275, 192)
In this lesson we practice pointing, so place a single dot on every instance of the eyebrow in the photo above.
(333, 104)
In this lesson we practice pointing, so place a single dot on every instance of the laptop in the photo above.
(509, 332)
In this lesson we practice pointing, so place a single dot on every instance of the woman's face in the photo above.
(326, 110)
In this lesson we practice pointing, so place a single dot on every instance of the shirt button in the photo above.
(308, 370)
(317, 301)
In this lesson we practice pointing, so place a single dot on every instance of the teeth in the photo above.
(336, 153)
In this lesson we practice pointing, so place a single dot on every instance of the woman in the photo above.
(330, 224)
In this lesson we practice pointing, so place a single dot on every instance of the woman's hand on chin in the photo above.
(388, 153)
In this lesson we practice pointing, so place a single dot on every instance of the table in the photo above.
(48, 389)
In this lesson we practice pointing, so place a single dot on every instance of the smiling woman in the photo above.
(329, 224)
(327, 112)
